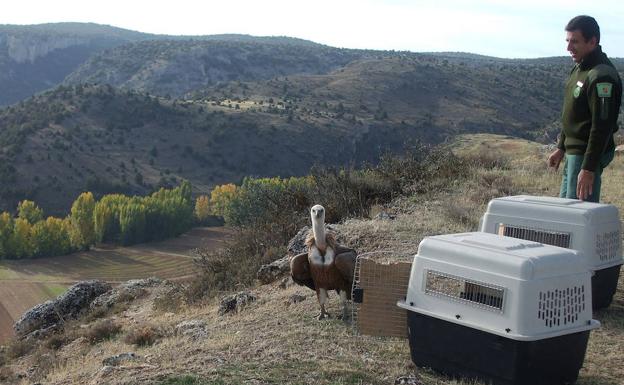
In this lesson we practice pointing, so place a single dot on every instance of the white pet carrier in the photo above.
(498, 308)
(593, 229)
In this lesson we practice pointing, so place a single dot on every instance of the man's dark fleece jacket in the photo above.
(591, 105)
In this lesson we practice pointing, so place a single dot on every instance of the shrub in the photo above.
(19, 348)
(102, 330)
(144, 335)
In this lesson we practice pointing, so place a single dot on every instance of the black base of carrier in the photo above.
(460, 351)
(604, 283)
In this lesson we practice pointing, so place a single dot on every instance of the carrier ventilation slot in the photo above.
(534, 234)
(464, 290)
(608, 245)
(561, 306)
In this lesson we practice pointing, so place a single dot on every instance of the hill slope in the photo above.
(177, 67)
(102, 139)
(36, 57)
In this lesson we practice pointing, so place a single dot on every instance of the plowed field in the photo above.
(26, 283)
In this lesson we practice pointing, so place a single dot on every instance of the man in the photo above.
(591, 105)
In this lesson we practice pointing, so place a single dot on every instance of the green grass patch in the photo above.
(53, 290)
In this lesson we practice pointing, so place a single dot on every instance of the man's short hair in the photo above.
(587, 25)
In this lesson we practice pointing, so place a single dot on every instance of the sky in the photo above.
(504, 28)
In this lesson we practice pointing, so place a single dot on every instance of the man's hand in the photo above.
(555, 158)
(585, 184)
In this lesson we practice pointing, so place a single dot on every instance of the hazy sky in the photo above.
(524, 28)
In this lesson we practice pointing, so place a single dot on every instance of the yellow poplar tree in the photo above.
(30, 211)
(220, 198)
(202, 208)
(82, 223)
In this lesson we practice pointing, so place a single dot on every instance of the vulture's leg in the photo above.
(343, 300)
(322, 298)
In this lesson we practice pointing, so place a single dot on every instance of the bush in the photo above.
(102, 330)
(144, 335)
(19, 348)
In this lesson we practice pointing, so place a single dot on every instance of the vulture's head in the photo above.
(317, 213)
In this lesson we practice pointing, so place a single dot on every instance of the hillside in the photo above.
(104, 139)
(96, 138)
(177, 67)
(276, 338)
(214, 109)
(37, 57)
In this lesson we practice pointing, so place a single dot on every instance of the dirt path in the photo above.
(26, 283)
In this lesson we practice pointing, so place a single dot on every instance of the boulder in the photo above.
(297, 243)
(119, 358)
(295, 298)
(127, 291)
(68, 305)
(408, 380)
(192, 328)
(235, 302)
(274, 270)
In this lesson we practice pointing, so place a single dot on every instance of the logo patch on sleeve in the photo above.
(604, 90)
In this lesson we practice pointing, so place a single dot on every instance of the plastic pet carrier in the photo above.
(500, 309)
(593, 229)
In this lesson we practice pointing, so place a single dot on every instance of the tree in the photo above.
(132, 222)
(106, 217)
(20, 242)
(51, 237)
(220, 198)
(6, 231)
(202, 208)
(82, 232)
(29, 211)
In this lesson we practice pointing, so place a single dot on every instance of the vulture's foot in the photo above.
(345, 316)
(322, 316)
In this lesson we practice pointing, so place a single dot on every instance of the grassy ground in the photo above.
(273, 341)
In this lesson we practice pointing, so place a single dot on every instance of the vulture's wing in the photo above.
(300, 271)
(345, 262)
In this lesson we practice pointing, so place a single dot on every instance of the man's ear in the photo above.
(593, 41)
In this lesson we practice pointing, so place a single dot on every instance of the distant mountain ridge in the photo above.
(37, 57)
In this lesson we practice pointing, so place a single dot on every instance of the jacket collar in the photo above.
(591, 59)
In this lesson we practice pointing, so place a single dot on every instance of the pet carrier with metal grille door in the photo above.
(593, 229)
(501, 309)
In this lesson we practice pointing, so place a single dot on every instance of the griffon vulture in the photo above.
(326, 266)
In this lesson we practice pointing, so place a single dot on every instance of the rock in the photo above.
(119, 358)
(286, 282)
(235, 302)
(127, 291)
(274, 270)
(408, 380)
(385, 216)
(297, 243)
(68, 305)
(296, 298)
(192, 328)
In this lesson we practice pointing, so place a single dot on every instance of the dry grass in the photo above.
(272, 341)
